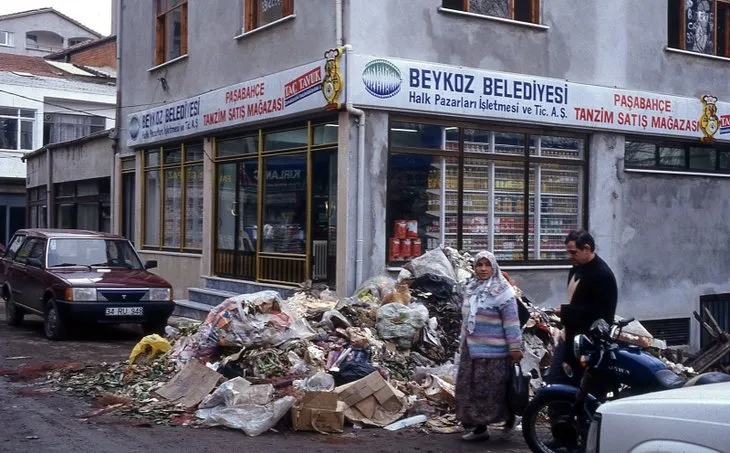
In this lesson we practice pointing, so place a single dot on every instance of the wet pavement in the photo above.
(36, 416)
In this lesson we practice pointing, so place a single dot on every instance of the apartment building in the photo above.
(385, 129)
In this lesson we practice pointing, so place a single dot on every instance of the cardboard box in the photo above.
(319, 411)
(372, 400)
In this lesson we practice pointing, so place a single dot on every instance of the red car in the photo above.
(72, 277)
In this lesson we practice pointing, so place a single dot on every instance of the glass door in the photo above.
(237, 232)
(324, 217)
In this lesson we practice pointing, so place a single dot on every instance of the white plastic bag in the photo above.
(433, 262)
(253, 419)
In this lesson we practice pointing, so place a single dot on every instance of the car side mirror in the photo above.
(151, 264)
(35, 262)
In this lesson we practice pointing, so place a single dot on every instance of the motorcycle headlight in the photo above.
(580, 343)
(594, 435)
(160, 294)
(81, 294)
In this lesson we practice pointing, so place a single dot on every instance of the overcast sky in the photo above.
(95, 14)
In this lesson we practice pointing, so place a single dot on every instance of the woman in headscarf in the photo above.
(490, 342)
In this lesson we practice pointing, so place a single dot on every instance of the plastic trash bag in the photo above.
(238, 391)
(518, 390)
(375, 289)
(433, 262)
(150, 347)
(401, 323)
(319, 382)
(252, 419)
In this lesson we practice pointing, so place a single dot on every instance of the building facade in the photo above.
(481, 124)
(44, 102)
(40, 32)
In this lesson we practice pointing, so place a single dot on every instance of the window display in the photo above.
(472, 198)
(285, 204)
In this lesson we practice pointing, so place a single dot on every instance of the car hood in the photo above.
(685, 401)
(104, 277)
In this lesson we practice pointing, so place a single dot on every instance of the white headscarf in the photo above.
(490, 293)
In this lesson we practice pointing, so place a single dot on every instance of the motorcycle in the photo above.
(611, 370)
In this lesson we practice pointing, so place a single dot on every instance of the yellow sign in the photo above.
(709, 122)
(333, 82)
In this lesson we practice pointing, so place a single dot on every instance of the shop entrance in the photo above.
(279, 228)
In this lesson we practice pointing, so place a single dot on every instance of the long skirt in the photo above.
(481, 390)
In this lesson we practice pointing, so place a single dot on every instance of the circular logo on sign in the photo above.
(134, 127)
(382, 78)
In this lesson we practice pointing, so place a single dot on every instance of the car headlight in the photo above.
(81, 294)
(594, 434)
(160, 294)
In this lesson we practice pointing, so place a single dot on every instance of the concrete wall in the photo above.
(617, 43)
(180, 270)
(87, 160)
(37, 171)
(48, 22)
(215, 59)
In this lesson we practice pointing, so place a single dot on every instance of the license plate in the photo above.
(125, 311)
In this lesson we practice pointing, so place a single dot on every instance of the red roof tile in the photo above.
(24, 63)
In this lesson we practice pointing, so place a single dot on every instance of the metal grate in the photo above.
(319, 269)
(675, 331)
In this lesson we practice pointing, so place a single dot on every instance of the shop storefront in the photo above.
(281, 228)
(196, 167)
(465, 185)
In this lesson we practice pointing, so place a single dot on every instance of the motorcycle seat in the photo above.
(712, 377)
(669, 380)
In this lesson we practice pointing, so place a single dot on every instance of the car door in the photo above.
(28, 274)
(7, 262)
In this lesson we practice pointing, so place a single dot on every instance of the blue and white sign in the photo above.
(405, 85)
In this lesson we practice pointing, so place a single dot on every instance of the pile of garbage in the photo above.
(387, 352)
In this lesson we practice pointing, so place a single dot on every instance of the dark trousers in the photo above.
(557, 373)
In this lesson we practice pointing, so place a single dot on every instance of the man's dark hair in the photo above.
(581, 238)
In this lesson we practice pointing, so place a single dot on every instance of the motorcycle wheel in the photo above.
(548, 425)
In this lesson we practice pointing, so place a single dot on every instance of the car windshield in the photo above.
(92, 252)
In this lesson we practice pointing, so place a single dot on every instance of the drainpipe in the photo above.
(338, 22)
(360, 189)
(117, 123)
(360, 118)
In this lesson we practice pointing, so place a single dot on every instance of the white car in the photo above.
(686, 420)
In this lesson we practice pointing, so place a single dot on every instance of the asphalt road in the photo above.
(35, 416)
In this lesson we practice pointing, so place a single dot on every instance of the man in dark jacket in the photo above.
(592, 295)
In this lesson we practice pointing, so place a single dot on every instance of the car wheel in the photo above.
(13, 314)
(54, 327)
(154, 327)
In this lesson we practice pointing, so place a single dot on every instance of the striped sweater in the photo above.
(496, 331)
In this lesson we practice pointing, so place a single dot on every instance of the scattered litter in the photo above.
(386, 357)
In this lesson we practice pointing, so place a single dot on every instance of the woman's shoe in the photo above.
(472, 436)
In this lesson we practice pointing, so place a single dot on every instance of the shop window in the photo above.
(285, 196)
(173, 213)
(520, 10)
(171, 30)
(701, 26)
(263, 12)
(237, 146)
(480, 191)
(676, 156)
(325, 134)
(424, 136)
(62, 127)
(16, 128)
(283, 140)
